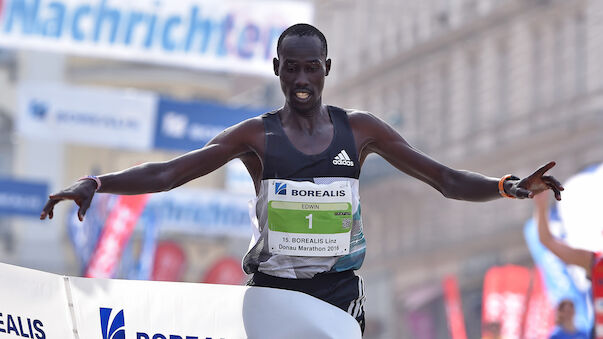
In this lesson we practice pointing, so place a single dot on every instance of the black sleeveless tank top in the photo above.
(283, 161)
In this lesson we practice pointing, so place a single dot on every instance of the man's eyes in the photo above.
(309, 68)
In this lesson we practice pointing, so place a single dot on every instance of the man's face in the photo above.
(565, 311)
(302, 68)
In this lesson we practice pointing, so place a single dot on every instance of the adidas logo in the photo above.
(343, 159)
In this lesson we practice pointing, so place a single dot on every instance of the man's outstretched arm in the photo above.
(569, 255)
(378, 137)
(163, 176)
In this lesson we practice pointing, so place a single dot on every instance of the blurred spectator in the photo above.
(564, 322)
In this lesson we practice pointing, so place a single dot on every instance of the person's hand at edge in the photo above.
(533, 184)
(81, 192)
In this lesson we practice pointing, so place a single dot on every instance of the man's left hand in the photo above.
(536, 183)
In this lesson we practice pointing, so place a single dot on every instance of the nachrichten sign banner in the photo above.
(228, 35)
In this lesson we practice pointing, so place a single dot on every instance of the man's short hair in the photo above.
(302, 30)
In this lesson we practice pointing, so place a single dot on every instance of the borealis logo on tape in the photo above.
(280, 188)
(114, 327)
(21, 326)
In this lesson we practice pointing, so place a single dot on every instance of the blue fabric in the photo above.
(559, 333)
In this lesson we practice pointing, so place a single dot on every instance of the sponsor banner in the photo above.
(84, 235)
(233, 36)
(237, 179)
(597, 277)
(33, 304)
(226, 271)
(188, 125)
(145, 310)
(557, 279)
(116, 233)
(203, 212)
(454, 309)
(42, 305)
(504, 302)
(144, 265)
(86, 115)
(540, 315)
(421, 324)
(169, 263)
(22, 197)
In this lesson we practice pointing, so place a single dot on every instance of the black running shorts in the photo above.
(341, 289)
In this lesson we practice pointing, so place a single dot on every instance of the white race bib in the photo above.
(307, 219)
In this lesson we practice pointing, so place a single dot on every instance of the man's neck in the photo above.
(307, 121)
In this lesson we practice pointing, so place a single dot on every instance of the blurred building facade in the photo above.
(490, 86)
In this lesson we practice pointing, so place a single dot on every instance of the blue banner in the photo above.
(200, 212)
(558, 282)
(146, 259)
(84, 235)
(188, 125)
(21, 197)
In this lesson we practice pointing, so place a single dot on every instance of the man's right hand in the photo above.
(82, 192)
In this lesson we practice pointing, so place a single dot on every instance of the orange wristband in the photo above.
(501, 188)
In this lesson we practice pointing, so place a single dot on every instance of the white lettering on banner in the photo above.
(207, 212)
(21, 201)
(174, 125)
(177, 126)
(33, 304)
(86, 118)
(203, 132)
(507, 306)
(223, 35)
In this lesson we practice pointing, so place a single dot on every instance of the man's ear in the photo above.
(327, 66)
(275, 64)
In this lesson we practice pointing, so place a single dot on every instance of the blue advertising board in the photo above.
(188, 125)
(22, 197)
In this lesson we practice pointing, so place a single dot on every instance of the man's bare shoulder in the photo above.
(359, 118)
(250, 126)
(253, 123)
(250, 132)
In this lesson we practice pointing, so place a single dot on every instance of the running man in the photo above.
(305, 160)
